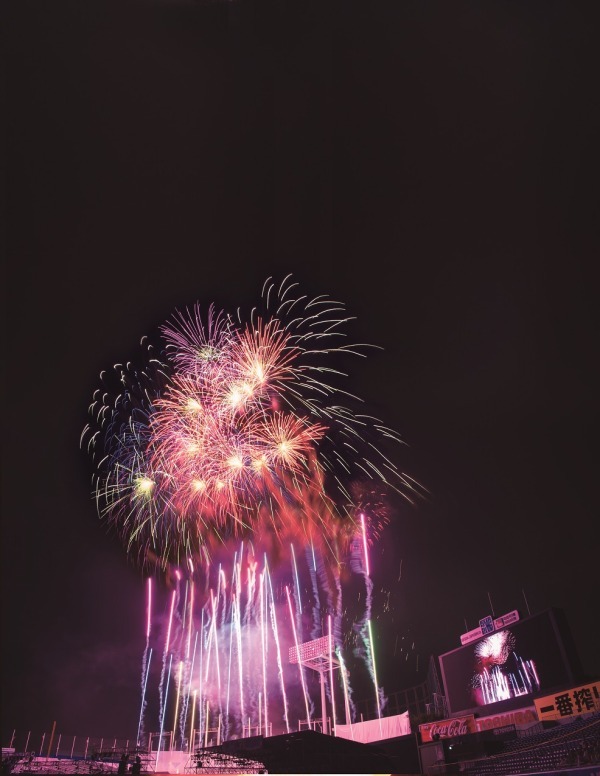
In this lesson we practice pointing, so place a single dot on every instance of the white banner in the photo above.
(376, 729)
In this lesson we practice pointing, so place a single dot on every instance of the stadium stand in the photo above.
(570, 745)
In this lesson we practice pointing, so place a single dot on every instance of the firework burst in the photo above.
(234, 428)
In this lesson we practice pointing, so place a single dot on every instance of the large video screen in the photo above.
(509, 664)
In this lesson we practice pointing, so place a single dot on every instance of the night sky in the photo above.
(428, 163)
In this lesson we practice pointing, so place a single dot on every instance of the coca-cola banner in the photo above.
(447, 728)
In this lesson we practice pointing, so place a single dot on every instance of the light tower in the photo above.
(319, 655)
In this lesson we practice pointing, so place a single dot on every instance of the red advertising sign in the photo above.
(447, 728)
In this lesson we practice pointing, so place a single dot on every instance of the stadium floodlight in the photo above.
(318, 655)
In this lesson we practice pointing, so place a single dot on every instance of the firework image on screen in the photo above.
(500, 673)
(231, 459)
(530, 656)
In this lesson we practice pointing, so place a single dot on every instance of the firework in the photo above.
(500, 672)
(236, 428)
(232, 434)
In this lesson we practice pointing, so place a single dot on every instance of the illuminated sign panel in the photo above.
(569, 703)
(488, 625)
(472, 635)
(518, 718)
(506, 619)
(447, 728)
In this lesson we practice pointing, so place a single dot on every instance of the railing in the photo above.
(106, 763)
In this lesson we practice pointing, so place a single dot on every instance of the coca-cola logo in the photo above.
(454, 727)
(447, 728)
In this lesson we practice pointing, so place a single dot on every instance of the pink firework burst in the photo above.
(236, 428)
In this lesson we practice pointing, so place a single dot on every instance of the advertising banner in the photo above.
(569, 703)
(506, 619)
(518, 718)
(447, 728)
(489, 625)
(473, 635)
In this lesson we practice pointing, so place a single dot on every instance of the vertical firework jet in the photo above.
(500, 672)
(238, 430)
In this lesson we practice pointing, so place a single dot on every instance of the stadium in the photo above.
(511, 699)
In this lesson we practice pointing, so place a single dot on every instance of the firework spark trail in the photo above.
(316, 609)
(331, 684)
(297, 581)
(265, 646)
(368, 654)
(224, 607)
(250, 693)
(187, 666)
(368, 587)
(337, 623)
(149, 610)
(297, 594)
(276, 637)
(251, 589)
(164, 709)
(218, 662)
(348, 702)
(300, 667)
(182, 618)
(377, 690)
(166, 652)
(190, 622)
(192, 742)
(186, 700)
(231, 629)
(178, 696)
(218, 597)
(200, 672)
(184, 667)
(145, 669)
(366, 552)
(238, 633)
(143, 703)
(330, 586)
(207, 722)
(209, 642)
(212, 648)
(359, 563)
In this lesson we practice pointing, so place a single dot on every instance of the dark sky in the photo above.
(430, 164)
